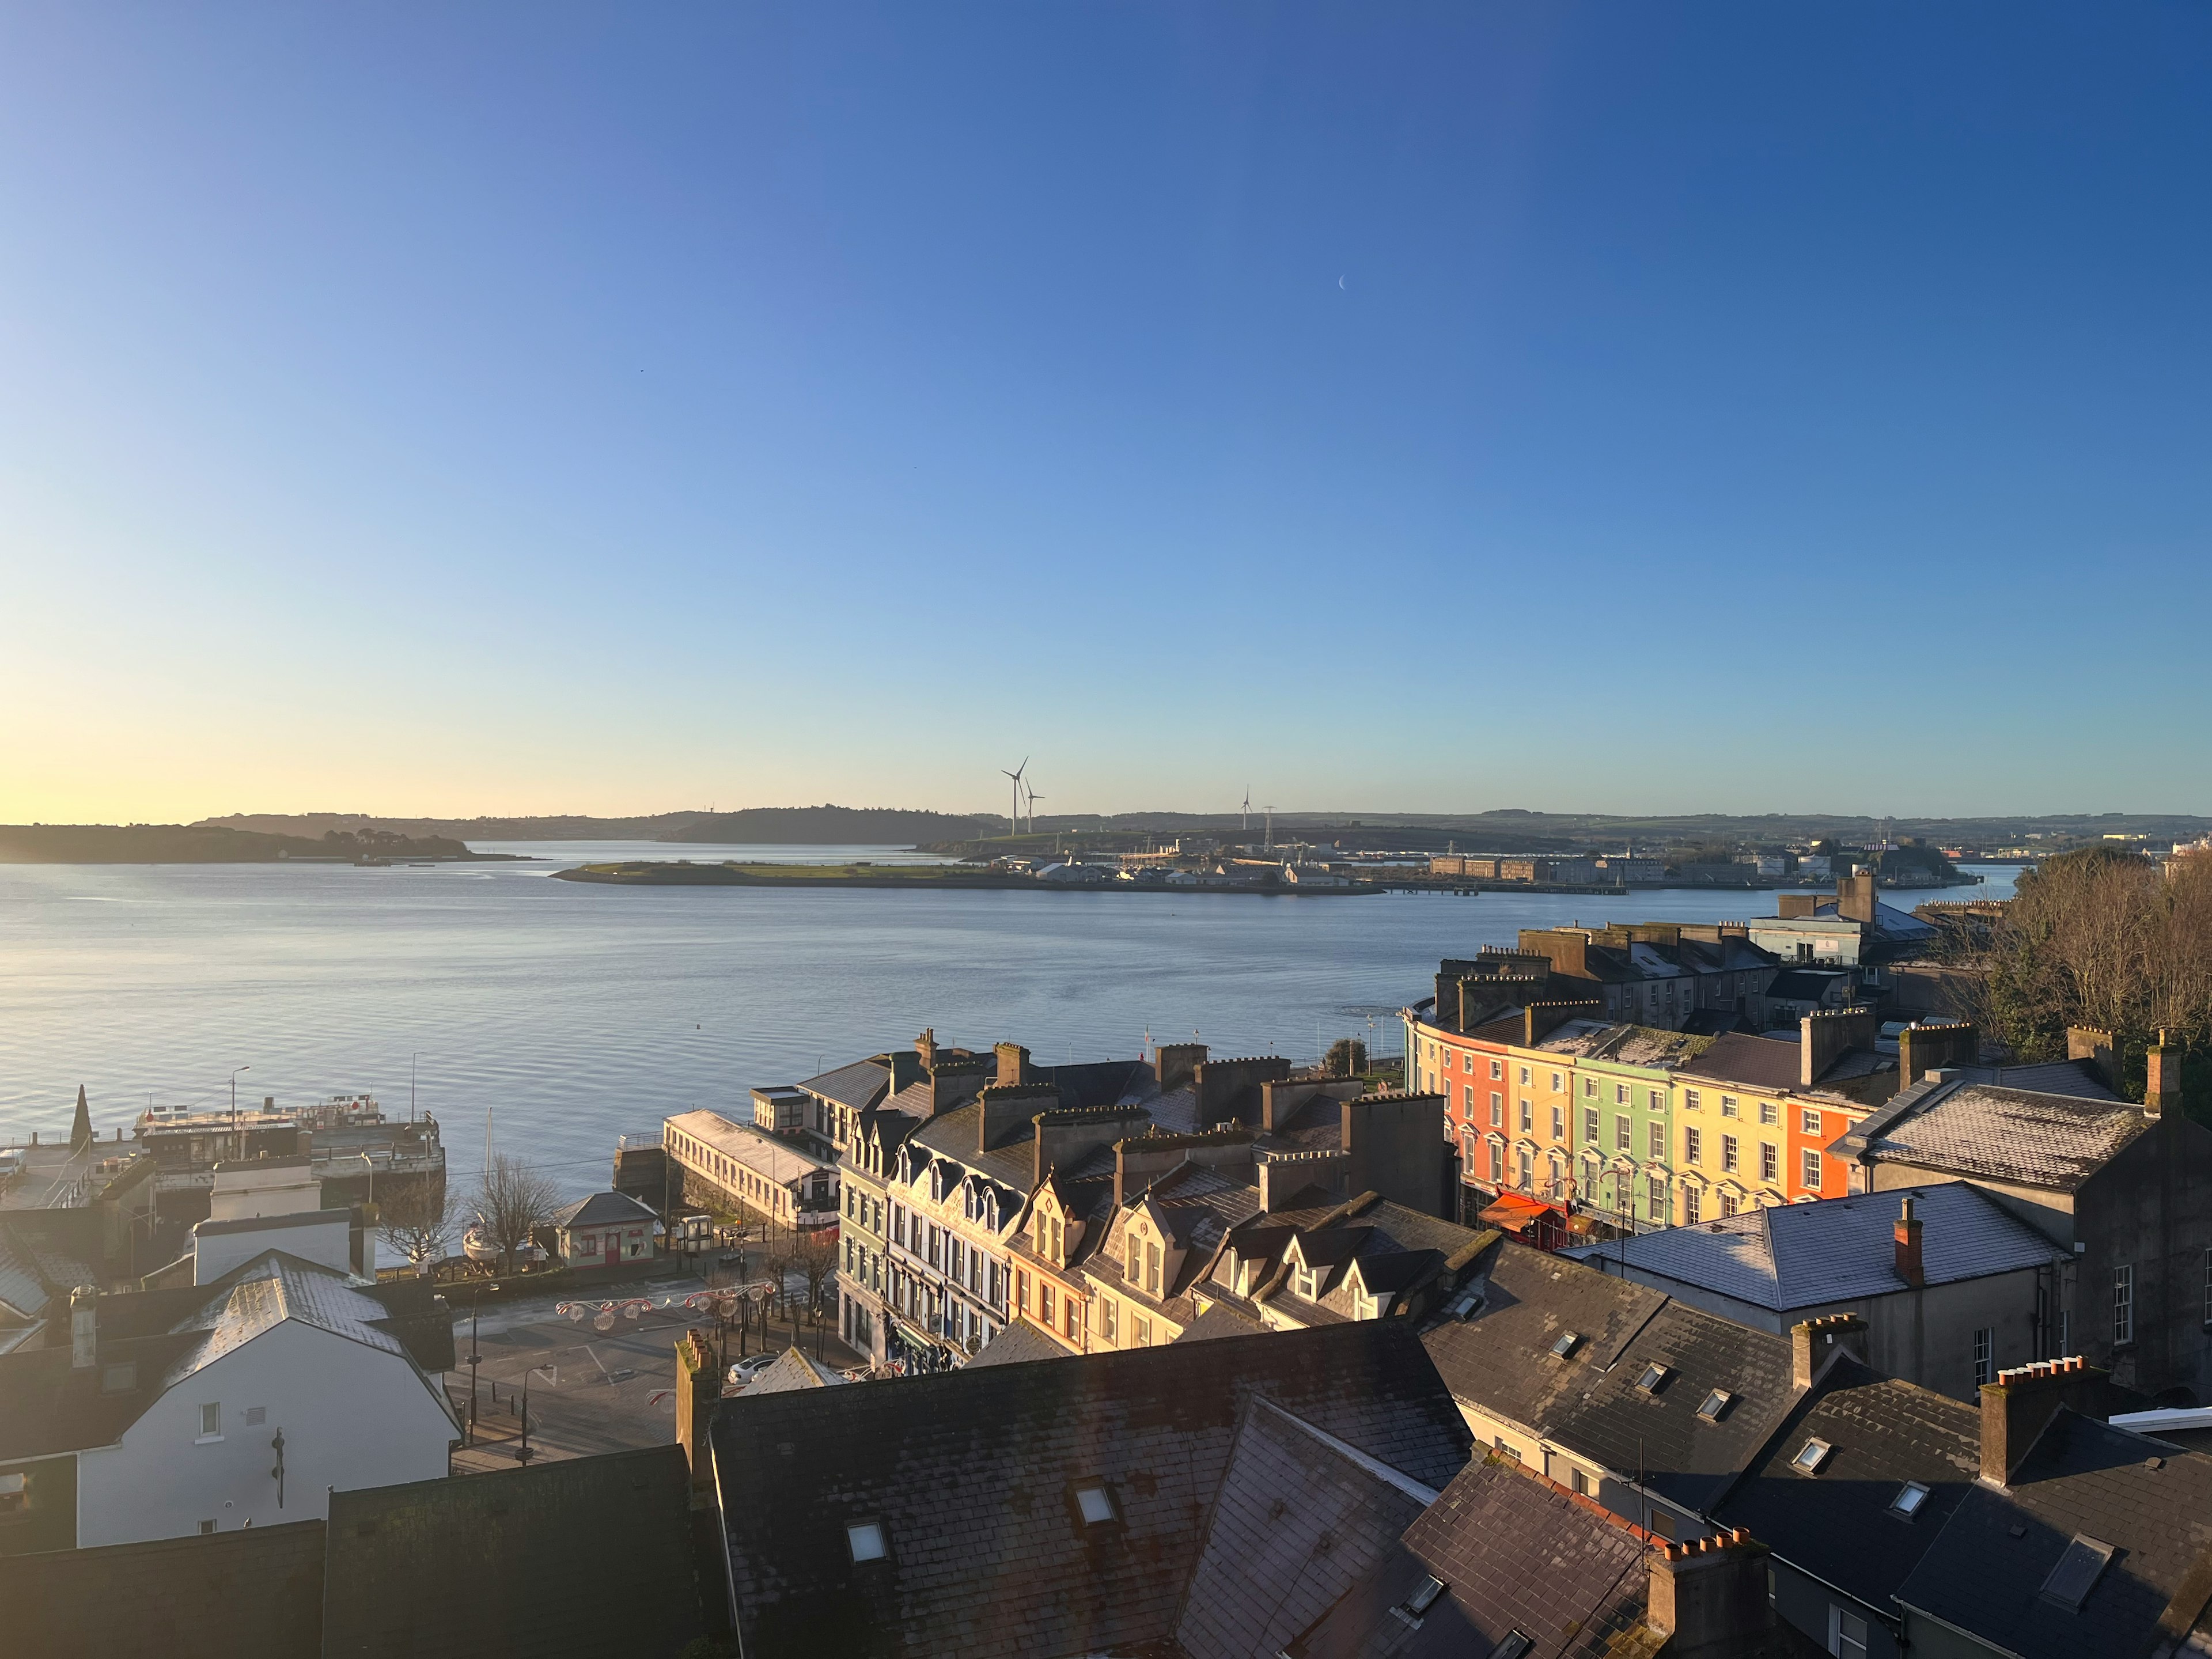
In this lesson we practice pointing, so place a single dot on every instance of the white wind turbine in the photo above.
(1014, 820)
(1033, 797)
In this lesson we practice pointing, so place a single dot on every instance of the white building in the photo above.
(162, 1416)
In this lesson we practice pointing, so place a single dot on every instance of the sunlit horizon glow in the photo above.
(522, 412)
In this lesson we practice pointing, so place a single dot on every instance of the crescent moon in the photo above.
(1339, 282)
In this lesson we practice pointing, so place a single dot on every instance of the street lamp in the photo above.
(239, 1151)
(522, 1453)
(476, 1356)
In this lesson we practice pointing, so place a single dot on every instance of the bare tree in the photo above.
(814, 1258)
(418, 1221)
(514, 1197)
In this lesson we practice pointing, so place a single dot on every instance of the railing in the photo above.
(639, 1143)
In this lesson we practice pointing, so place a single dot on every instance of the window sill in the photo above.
(207, 1440)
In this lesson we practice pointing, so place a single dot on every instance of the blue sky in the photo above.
(531, 409)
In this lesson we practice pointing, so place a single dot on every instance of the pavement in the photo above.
(590, 1390)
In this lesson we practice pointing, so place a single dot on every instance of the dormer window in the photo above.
(1304, 1281)
(866, 1540)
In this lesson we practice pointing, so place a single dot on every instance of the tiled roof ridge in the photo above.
(1421, 1494)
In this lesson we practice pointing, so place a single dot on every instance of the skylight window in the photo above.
(2076, 1573)
(1516, 1643)
(866, 1542)
(1096, 1504)
(1568, 1342)
(1810, 1456)
(1654, 1378)
(1909, 1497)
(1422, 1599)
(1715, 1404)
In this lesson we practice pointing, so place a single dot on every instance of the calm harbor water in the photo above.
(576, 1012)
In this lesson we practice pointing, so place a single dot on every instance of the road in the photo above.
(590, 1390)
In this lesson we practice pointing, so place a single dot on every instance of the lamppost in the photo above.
(522, 1453)
(476, 1356)
(236, 1151)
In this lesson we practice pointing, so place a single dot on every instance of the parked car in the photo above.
(746, 1370)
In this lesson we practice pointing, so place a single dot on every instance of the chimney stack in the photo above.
(1909, 1267)
(1811, 1342)
(2086, 1042)
(2162, 1082)
(1857, 899)
(84, 1328)
(698, 1391)
(2019, 1406)
(1935, 1047)
(1708, 1597)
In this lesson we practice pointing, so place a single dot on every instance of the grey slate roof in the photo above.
(1514, 1553)
(794, 1369)
(857, 1086)
(602, 1209)
(251, 1593)
(973, 1475)
(1500, 1359)
(2077, 1078)
(1017, 1344)
(1787, 1256)
(263, 1293)
(2084, 1478)
(1686, 1459)
(2053, 1141)
(1295, 1525)
(1839, 1524)
(584, 1557)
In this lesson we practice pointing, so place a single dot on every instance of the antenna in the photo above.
(1014, 818)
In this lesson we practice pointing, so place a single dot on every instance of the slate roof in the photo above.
(1986, 1570)
(1803, 984)
(2031, 1140)
(1686, 1459)
(973, 1473)
(602, 1209)
(1763, 1063)
(1514, 1552)
(1017, 1344)
(857, 1086)
(1500, 1359)
(953, 1134)
(2061, 1077)
(1295, 1524)
(1839, 1524)
(794, 1369)
(251, 1593)
(583, 1557)
(1787, 1256)
(46, 1406)
(21, 1288)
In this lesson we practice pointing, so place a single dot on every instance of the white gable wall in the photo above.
(327, 1242)
(352, 1416)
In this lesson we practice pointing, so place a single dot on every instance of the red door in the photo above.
(614, 1247)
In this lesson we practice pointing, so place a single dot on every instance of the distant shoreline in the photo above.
(181, 843)
(938, 877)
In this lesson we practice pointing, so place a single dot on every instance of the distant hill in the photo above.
(812, 826)
(199, 843)
(872, 826)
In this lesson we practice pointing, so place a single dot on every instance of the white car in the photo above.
(746, 1370)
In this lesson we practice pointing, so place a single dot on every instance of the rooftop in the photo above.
(1992, 1570)
(770, 1157)
(602, 1210)
(1853, 1523)
(948, 1512)
(1787, 1256)
(2017, 1135)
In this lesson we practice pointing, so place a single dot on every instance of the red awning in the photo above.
(1516, 1212)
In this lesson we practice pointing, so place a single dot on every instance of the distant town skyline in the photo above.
(494, 411)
